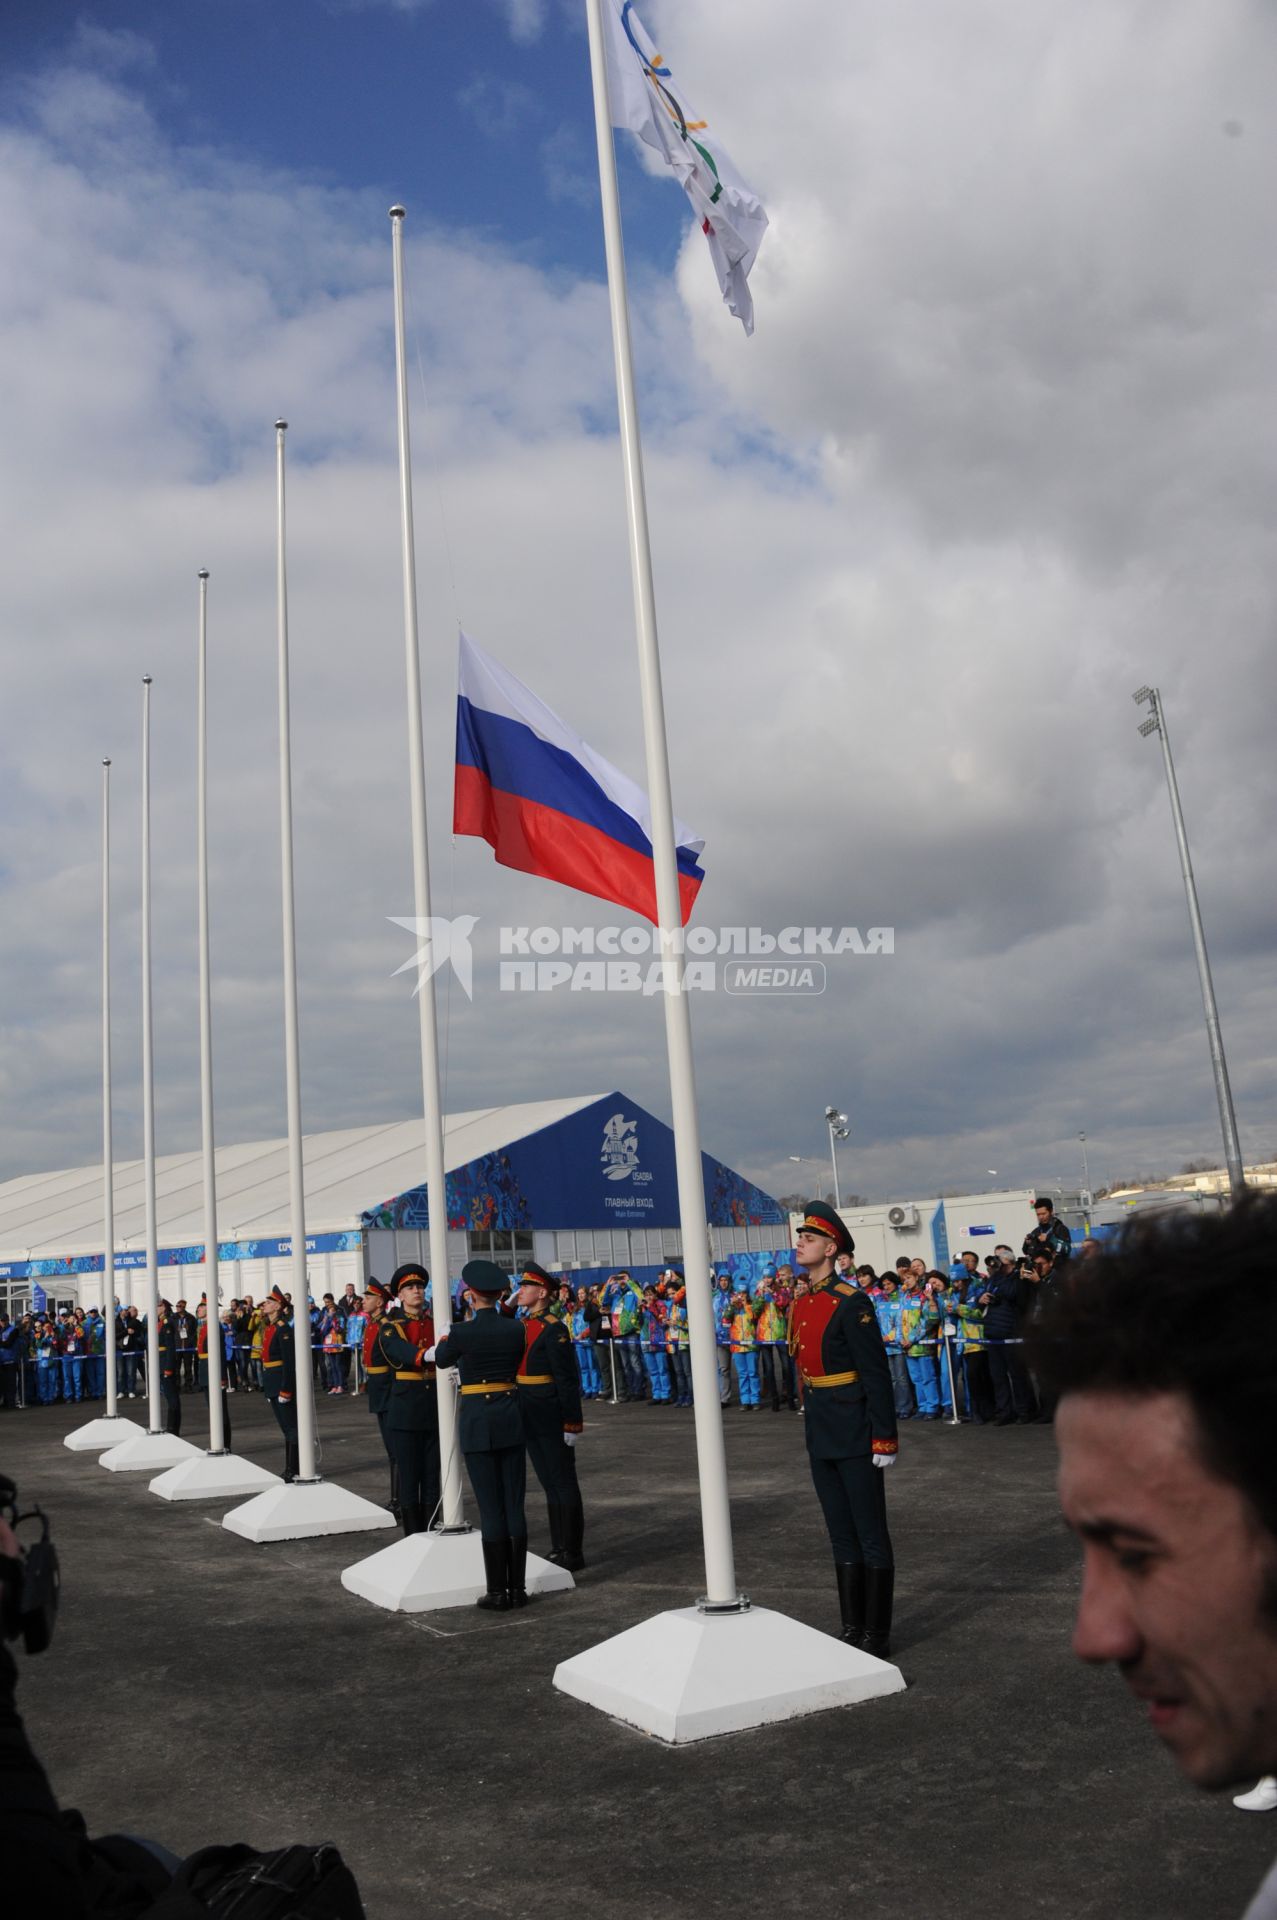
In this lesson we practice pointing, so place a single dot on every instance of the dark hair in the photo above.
(1042, 1201)
(1183, 1305)
(903, 1262)
(866, 1269)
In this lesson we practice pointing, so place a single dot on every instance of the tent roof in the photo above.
(347, 1173)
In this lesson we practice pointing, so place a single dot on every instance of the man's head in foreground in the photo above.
(1162, 1354)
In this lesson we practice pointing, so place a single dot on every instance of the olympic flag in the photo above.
(643, 96)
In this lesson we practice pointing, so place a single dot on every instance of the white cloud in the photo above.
(996, 454)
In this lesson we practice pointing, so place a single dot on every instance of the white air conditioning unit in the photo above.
(902, 1217)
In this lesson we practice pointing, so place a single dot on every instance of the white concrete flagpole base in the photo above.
(303, 1509)
(688, 1675)
(146, 1453)
(426, 1571)
(213, 1476)
(109, 1430)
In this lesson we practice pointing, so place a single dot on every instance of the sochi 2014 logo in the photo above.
(620, 1148)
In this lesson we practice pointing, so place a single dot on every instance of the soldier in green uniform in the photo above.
(488, 1350)
(411, 1428)
(550, 1403)
(850, 1426)
(279, 1376)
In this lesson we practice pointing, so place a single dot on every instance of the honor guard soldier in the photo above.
(406, 1342)
(170, 1378)
(201, 1356)
(550, 1403)
(279, 1374)
(378, 1373)
(850, 1426)
(488, 1351)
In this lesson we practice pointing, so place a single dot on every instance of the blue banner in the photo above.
(227, 1250)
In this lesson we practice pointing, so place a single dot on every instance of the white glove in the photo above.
(570, 1439)
(884, 1459)
(429, 1354)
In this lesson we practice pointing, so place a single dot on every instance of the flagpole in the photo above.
(108, 1156)
(144, 1452)
(212, 1314)
(155, 1423)
(309, 1505)
(691, 1672)
(302, 1354)
(716, 1524)
(436, 1173)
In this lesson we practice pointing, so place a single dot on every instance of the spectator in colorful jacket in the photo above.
(652, 1342)
(48, 1362)
(74, 1346)
(622, 1303)
(945, 1333)
(587, 1360)
(678, 1338)
(887, 1308)
(918, 1318)
(722, 1305)
(771, 1330)
(975, 1353)
(744, 1349)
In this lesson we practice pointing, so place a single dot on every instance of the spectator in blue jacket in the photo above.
(887, 1308)
(10, 1361)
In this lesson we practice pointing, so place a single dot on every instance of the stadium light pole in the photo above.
(1156, 723)
(838, 1130)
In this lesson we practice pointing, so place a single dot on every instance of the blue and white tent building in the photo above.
(581, 1185)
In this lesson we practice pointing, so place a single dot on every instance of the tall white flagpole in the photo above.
(108, 1151)
(155, 1420)
(310, 1505)
(292, 1046)
(436, 1174)
(692, 1672)
(716, 1521)
(212, 1316)
(154, 1448)
(217, 1472)
(108, 1430)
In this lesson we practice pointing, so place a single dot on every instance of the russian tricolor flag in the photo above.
(548, 804)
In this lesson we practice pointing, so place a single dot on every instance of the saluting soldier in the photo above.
(850, 1426)
(550, 1403)
(378, 1372)
(406, 1342)
(279, 1374)
(170, 1379)
(488, 1350)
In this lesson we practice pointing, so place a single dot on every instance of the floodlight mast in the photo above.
(1156, 723)
(838, 1130)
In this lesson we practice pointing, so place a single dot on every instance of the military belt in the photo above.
(376, 1369)
(829, 1379)
(490, 1386)
(536, 1380)
(408, 1376)
(272, 1363)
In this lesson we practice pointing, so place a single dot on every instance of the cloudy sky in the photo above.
(1000, 450)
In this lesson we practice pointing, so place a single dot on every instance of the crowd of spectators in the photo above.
(954, 1340)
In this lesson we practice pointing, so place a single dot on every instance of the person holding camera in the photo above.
(1006, 1298)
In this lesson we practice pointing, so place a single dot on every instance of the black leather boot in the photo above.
(573, 1535)
(517, 1570)
(558, 1533)
(292, 1460)
(880, 1585)
(851, 1600)
(496, 1599)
